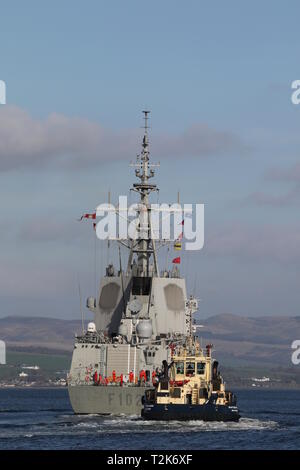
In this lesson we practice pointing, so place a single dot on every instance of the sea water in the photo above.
(43, 419)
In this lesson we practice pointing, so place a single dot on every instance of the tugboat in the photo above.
(190, 388)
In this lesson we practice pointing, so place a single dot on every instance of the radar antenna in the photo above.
(144, 171)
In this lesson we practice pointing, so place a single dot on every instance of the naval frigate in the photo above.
(139, 314)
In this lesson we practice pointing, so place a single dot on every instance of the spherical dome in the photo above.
(144, 328)
(91, 327)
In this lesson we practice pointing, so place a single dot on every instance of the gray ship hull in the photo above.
(89, 399)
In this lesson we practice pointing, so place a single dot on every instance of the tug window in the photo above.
(179, 368)
(190, 369)
(201, 368)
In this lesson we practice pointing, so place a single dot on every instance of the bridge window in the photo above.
(201, 368)
(190, 369)
(179, 367)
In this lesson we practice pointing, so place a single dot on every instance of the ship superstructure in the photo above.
(138, 313)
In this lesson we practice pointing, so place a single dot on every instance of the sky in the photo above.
(217, 78)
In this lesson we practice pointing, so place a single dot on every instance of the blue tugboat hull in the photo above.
(206, 412)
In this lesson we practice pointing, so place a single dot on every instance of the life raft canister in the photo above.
(179, 383)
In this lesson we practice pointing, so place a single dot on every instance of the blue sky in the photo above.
(217, 77)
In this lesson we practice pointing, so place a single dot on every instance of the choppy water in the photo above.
(43, 419)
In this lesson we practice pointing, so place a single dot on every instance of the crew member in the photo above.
(142, 376)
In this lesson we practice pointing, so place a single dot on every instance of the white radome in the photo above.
(91, 327)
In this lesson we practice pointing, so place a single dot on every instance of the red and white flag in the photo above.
(88, 216)
(189, 215)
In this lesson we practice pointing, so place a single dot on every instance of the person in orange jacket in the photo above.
(142, 376)
(95, 377)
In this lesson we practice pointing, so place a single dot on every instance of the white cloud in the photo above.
(78, 142)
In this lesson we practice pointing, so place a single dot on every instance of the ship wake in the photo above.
(136, 424)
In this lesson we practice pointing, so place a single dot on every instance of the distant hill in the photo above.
(39, 334)
(236, 339)
(251, 339)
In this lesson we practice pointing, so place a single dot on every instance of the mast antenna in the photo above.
(146, 117)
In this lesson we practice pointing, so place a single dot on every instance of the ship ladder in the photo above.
(195, 396)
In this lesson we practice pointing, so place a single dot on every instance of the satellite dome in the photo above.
(144, 329)
(91, 327)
